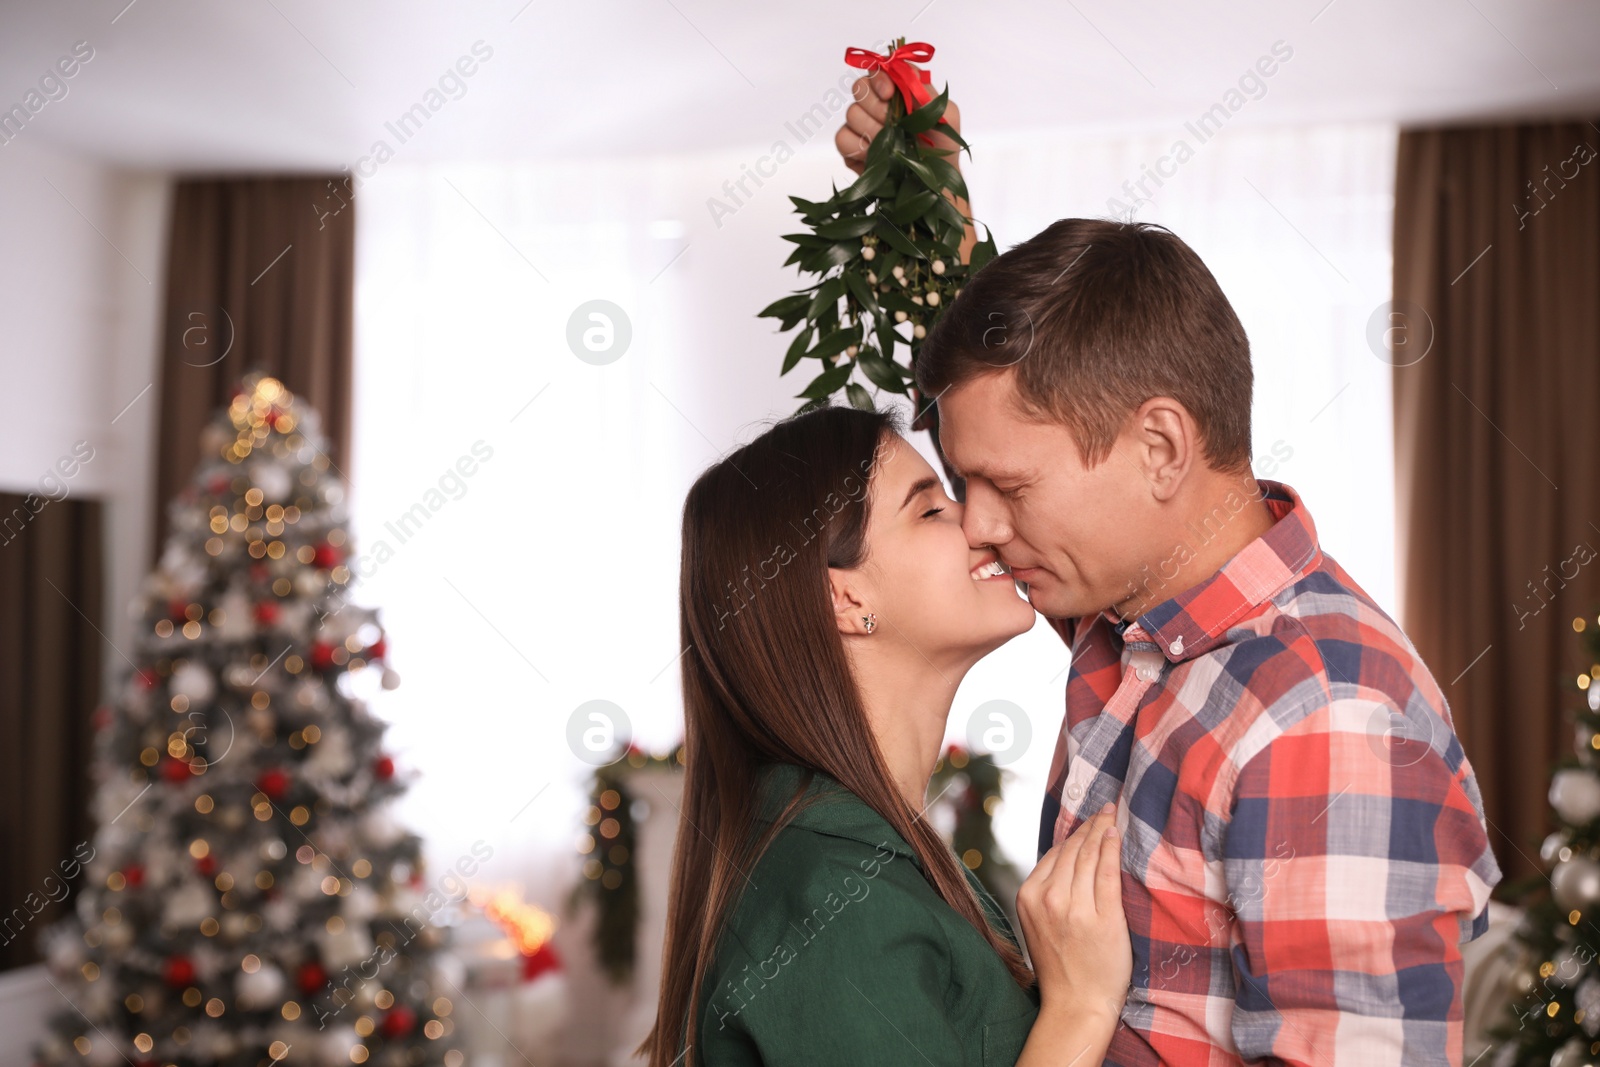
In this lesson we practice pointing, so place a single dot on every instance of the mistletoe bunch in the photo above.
(884, 256)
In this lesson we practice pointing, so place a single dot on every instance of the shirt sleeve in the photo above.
(861, 978)
(1356, 862)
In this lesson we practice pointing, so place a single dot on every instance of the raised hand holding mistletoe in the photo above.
(891, 250)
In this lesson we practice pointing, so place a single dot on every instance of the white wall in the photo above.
(81, 282)
(80, 289)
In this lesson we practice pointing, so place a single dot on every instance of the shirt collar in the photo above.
(1196, 620)
(829, 809)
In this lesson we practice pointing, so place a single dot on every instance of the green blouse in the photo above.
(839, 951)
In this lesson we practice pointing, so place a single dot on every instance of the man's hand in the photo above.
(865, 117)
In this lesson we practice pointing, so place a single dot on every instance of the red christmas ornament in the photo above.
(133, 874)
(542, 960)
(178, 971)
(176, 608)
(217, 485)
(101, 718)
(207, 865)
(174, 770)
(274, 782)
(321, 655)
(311, 977)
(147, 678)
(383, 767)
(399, 1021)
(328, 556)
(266, 613)
(377, 649)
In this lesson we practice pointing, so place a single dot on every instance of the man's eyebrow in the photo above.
(919, 486)
(986, 472)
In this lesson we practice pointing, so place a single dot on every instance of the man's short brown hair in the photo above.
(1094, 317)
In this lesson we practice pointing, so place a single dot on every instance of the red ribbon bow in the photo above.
(912, 83)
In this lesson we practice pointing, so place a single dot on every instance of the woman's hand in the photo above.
(864, 118)
(1070, 908)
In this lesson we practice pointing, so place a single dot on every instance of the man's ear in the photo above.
(848, 605)
(1165, 444)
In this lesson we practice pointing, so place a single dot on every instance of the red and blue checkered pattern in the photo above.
(1304, 845)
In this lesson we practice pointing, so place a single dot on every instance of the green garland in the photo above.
(971, 781)
(973, 839)
(609, 874)
(886, 249)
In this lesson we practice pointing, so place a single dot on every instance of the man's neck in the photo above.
(1214, 530)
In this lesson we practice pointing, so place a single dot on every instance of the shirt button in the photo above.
(1177, 646)
(1075, 791)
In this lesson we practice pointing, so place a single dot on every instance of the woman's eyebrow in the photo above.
(921, 485)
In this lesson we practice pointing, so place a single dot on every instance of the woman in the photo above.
(831, 605)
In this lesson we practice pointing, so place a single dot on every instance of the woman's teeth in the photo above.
(988, 570)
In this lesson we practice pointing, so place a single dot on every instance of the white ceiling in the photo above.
(301, 84)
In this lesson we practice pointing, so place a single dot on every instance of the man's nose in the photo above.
(983, 517)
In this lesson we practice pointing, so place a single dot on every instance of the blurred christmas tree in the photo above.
(1555, 995)
(250, 899)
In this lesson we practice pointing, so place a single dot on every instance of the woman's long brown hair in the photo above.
(766, 679)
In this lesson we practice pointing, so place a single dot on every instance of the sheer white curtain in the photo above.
(546, 577)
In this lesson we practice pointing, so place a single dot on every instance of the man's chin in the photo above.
(1053, 601)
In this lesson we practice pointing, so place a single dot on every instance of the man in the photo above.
(1305, 846)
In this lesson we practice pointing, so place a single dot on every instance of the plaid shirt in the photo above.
(1304, 844)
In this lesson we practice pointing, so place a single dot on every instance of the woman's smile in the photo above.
(990, 570)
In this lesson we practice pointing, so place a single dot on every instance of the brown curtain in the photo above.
(52, 573)
(260, 276)
(1497, 442)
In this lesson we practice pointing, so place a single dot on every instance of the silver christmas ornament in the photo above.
(1575, 794)
(1575, 883)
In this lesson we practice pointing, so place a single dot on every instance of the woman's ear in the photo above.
(849, 607)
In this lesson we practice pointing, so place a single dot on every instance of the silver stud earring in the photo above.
(871, 621)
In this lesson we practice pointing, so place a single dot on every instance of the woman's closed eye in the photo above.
(931, 511)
